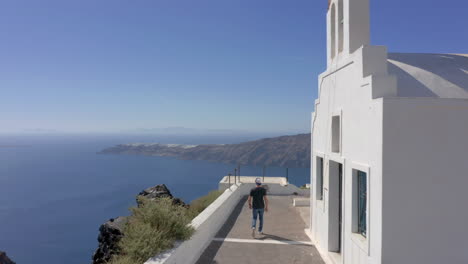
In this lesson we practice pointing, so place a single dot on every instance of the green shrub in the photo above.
(152, 228)
(200, 204)
(155, 225)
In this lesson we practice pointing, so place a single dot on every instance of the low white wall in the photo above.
(206, 225)
(225, 183)
(290, 189)
(299, 202)
(274, 185)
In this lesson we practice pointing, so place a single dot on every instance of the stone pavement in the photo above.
(284, 240)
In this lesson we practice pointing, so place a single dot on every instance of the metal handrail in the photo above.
(235, 175)
(263, 174)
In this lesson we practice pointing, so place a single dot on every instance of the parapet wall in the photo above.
(274, 185)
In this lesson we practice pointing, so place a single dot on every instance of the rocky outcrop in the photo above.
(285, 151)
(110, 234)
(112, 231)
(4, 259)
(159, 191)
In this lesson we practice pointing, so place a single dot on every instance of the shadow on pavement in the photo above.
(210, 252)
(229, 224)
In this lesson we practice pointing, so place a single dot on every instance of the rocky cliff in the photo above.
(4, 258)
(284, 151)
(110, 234)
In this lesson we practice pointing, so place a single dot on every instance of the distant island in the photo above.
(284, 151)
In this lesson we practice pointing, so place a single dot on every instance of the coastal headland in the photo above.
(284, 151)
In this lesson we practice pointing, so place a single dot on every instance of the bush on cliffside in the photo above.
(153, 227)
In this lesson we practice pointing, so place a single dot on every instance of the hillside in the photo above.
(284, 151)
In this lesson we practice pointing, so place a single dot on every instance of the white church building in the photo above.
(390, 150)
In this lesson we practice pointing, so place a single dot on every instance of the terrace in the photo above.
(223, 234)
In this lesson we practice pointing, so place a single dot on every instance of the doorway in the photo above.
(335, 211)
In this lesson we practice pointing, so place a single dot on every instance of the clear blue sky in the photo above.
(113, 66)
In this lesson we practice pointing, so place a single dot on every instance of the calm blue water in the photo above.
(55, 191)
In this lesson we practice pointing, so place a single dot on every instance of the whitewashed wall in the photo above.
(417, 200)
(425, 181)
(416, 211)
(352, 87)
(346, 91)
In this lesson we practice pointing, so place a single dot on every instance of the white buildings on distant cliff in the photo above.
(390, 150)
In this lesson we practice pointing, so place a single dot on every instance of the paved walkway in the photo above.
(284, 240)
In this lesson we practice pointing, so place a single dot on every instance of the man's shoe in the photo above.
(253, 232)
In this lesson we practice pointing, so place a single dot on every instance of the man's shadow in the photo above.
(278, 238)
(266, 236)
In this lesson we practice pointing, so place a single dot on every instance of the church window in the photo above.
(336, 134)
(340, 26)
(319, 175)
(333, 30)
(360, 202)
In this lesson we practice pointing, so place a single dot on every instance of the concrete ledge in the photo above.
(206, 225)
(301, 202)
(274, 185)
(224, 183)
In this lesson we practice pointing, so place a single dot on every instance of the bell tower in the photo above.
(348, 27)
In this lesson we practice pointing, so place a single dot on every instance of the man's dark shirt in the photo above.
(257, 194)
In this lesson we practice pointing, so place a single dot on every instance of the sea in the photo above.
(55, 190)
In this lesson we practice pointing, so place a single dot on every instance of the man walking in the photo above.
(258, 202)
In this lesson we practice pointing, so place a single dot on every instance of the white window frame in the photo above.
(335, 114)
(319, 181)
(333, 29)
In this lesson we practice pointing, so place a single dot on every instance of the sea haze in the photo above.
(56, 191)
